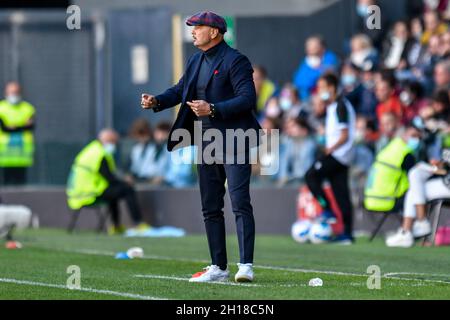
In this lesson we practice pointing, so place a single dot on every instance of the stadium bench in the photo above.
(100, 209)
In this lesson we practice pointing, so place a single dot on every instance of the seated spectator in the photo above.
(273, 109)
(442, 75)
(265, 88)
(149, 160)
(318, 111)
(389, 124)
(445, 45)
(266, 154)
(363, 157)
(298, 152)
(433, 26)
(363, 55)
(422, 70)
(387, 181)
(93, 179)
(441, 106)
(318, 60)
(387, 97)
(426, 182)
(359, 93)
(397, 47)
(412, 99)
(290, 103)
(181, 172)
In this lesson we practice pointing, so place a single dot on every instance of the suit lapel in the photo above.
(215, 65)
(193, 77)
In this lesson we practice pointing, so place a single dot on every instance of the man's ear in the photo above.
(214, 33)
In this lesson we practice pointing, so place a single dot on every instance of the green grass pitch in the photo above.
(283, 269)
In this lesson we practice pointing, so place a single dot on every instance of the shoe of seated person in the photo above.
(400, 239)
(211, 273)
(421, 228)
(116, 230)
(142, 226)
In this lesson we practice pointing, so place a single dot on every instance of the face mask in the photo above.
(325, 96)
(285, 104)
(405, 98)
(359, 136)
(110, 148)
(361, 10)
(13, 99)
(413, 143)
(348, 80)
(313, 61)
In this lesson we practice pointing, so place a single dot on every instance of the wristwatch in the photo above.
(212, 110)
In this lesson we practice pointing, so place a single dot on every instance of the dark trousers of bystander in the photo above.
(116, 192)
(328, 168)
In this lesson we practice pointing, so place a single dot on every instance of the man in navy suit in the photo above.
(217, 89)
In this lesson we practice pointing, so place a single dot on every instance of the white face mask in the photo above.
(13, 99)
(325, 96)
(110, 148)
(405, 98)
(285, 104)
(313, 61)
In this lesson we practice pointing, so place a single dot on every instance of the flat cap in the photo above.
(208, 18)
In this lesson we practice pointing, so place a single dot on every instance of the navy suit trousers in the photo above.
(212, 178)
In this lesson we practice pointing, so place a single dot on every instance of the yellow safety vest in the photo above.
(267, 91)
(16, 148)
(387, 181)
(85, 182)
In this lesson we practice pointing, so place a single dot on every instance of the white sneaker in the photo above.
(421, 228)
(402, 239)
(245, 273)
(210, 274)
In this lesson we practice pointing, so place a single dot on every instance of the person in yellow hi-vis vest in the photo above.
(387, 181)
(92, 179)
(17, 119)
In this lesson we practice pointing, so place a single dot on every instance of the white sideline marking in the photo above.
(394, 275)
(154, 276)
(339, 273)
(109, 292)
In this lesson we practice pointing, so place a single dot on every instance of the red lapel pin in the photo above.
(216, 72)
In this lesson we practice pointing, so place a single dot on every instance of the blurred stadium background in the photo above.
(83, 80)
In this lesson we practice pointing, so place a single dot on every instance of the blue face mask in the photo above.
(361, 10)
(348, 80)
(325, 96)
(414, 143)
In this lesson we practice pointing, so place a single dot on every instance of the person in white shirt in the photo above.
(334, 164)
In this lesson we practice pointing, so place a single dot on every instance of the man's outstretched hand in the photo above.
(148, 101)
(200, 107)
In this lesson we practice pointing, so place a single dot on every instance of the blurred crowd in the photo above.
(393, 76)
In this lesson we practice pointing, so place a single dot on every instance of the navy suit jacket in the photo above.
(230, 88)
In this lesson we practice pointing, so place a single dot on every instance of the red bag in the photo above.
(309, 208)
